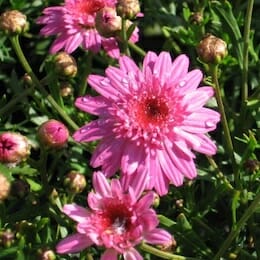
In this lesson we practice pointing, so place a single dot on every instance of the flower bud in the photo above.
(20, 188)
(128, 8)
(108, 22)
(65, 65)
(252, 165)
(66, 89)
(75, 181)
(212, 49)
(46, 254)
(4, 187)
(14, 148)
(196, 18)
(6, 238)
(13, 22)
(53, 134)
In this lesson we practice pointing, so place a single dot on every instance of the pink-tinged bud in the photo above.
(196, 18)
(4, 187)
(65, 65)
(13, 22)
(6, 238)
(14, 148)
(108, 23)
(75, 181)
(128, 8)
(53, 134)
(211, 49)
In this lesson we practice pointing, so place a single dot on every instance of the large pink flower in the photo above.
(117, 220)
(151, 118)
(74, 25)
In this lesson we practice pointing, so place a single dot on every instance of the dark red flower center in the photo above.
(116, 216)
(152, 111)
(90, 7)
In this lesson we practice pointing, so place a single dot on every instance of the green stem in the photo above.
(220, 175)
(245, 53)
(16, 46)
(15, 100)
(124, 38)
(234, 233)
(228, 140)
(43, 170)
(87, 70)
(162, 254)
(137, 49)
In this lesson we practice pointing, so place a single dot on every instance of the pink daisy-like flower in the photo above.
(74, 25)
(116, 219)
(151, 118)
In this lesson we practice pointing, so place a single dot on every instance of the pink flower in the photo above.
(151, 118)
(116, 219)
(14, 148)
(74, 25)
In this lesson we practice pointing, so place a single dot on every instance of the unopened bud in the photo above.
(212, 49)
(66, 89)
(46, 254)
(4, 187)
(196, 18)
(128, 8)
(14, 148)
(13, 22)
(179, 203)
(75, 181)
(170, 246)
(65, 65)
(108, 22)
(53, 134)
(252, 165)
(6, 238)
(20, 188)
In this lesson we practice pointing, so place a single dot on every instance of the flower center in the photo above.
(116, 217)
(152, 110)
(89, 7)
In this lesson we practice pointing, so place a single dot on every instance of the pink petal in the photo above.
(148, 64)
(72, 244)
(91, 131)
(132, 157)
(103, 86)
(73, 42)
(75, 212)
(191, 80)
(158, 236)
(132, 254)
(207, 146)
(172, 173)
(162, 67)
(109, 254)
(179, 67)
(110, 45)
(145, 202)
(127, 64)
(101, 184)
(94, 105)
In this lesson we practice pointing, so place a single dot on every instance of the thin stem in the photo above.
(124, 36)
(229, 143)
(16, 46)
(245, 51)
(87, 70)
(137, 49)
(162, 254)
(234, 233)
(220, 175)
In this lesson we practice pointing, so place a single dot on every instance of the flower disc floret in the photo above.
(151, 118)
